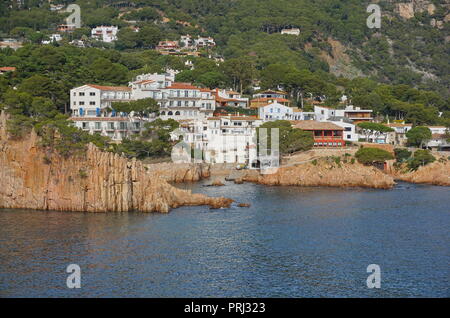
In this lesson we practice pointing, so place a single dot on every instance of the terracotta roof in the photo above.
(315, 125)
(179, 85)
(398, 125)
(234, 117)
(206, 90)
(7, 69)
(99, 118)
(110, 88)
(438, 136)
(144, 82)
(264, 99)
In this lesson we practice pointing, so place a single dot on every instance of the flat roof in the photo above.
(315, 125)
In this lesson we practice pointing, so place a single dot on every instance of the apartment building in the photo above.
(150, 85)
(229, 98)
(224, 139)
(182, 101)
(91, 108)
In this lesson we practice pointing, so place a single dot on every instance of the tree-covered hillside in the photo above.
(401, 70)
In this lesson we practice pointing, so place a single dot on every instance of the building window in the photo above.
(349, 136)
(81, 94)
(92, 103)
(177, 113)
(348, 128)
(97, 125)
(81, 103)
(85, 125)
(92, 94)
(179, 103)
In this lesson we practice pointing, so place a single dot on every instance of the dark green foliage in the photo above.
(402, 154)
(290, 140)
(418, 136)
(370, 156)
(421, 158)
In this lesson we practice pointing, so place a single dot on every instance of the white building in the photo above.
(53, 38)
(275, 111)
(230, 98)
(398, 136)
(349, 132)
(356, 114)
(150, 85)
(182, 101)
(293, 31)
(106, 34)
(91, 107)
(204, 42)
(226, 139)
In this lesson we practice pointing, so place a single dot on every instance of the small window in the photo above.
(92, 94)
(81, 94)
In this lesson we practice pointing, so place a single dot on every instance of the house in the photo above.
(56, 37)
(326, 134)
(439, 142)
(349, 127)
(66, 27)
(91, 107)
(271, 94)
(355, 114)
(186, 101)
(106, 34)
(229, 98)
(150, 85)
(186, 41)
(264, 101)
(7, 69)
(11, 43)
(222, 139)
(202, 42)
(293, 31)
(398, 136)
(165, 46)
(275, 111)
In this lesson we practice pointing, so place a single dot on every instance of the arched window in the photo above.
(163, 113)
(177, 113)
(169, 113)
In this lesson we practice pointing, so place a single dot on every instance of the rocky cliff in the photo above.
(177, 173)
(96, 182)
(436, 173)
(324, 173)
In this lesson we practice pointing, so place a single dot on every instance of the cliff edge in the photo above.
(96, 182)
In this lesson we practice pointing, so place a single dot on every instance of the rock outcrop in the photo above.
(96, 182)
(436, 173)
(324, 174)
(179, 172)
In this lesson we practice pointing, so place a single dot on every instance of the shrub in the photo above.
(421, 158)
(352, 161)
(314, 162)
(370, 156)
(402, 154)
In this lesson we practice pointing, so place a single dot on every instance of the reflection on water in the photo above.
(292, 242)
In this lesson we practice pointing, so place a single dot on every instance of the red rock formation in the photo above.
(324, 174)
(436, 173)
(96, 182)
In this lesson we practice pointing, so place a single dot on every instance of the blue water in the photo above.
(292, 242)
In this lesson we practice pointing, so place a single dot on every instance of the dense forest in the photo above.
(401, 71)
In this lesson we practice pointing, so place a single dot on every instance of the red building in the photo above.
(325, 134)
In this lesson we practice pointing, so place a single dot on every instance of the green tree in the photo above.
(371, 156)
(421, 158)
(418, 136)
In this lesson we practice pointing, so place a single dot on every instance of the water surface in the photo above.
(292, 242)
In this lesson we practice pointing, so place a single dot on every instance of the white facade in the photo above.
(91, 110)
(349, 132)
(230, 98)
(227, 139)
(324, 113)
(150, 85)
(277, 111)
(106, 34)
(181, 101)
(293, 31)
(53, 38)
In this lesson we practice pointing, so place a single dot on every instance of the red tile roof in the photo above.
(110, 88)
(179, 85)
(265, 99)
(7, 69)
(315, 125)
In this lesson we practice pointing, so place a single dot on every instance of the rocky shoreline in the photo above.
(96, 182)
(106, 182)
